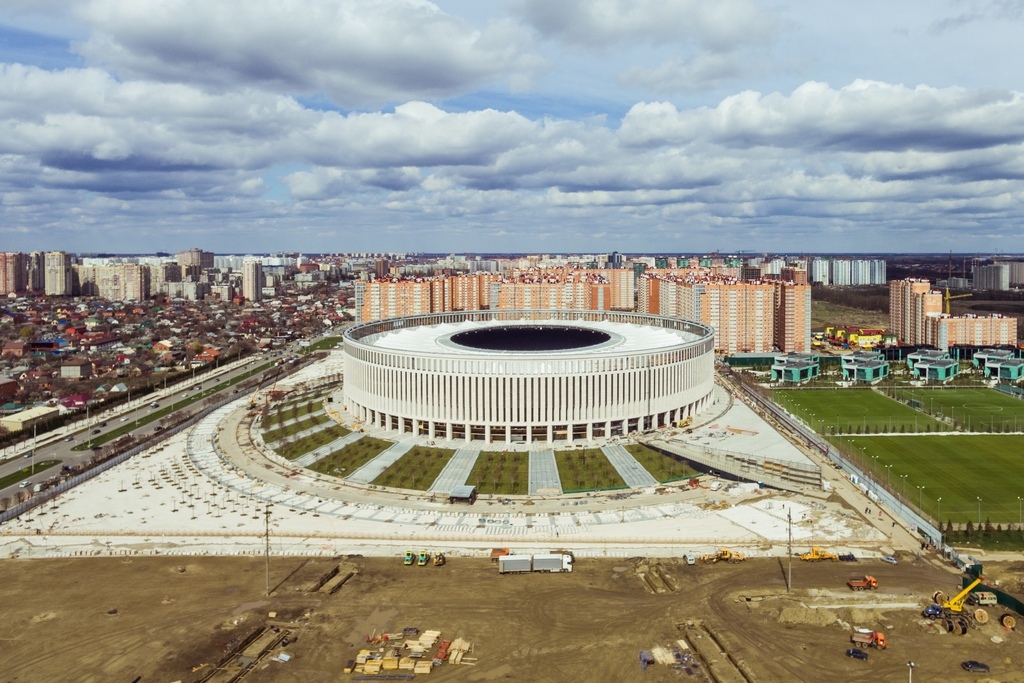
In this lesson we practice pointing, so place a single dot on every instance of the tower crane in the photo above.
(947, 297)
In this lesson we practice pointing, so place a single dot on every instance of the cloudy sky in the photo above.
(512, 125)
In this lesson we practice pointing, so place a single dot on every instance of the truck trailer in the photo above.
(515, 564)
(523, 564)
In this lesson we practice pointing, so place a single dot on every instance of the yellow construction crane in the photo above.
(947, 297)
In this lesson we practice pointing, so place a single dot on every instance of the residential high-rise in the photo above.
(35, 279)
(13, 269)
(993, 277)
(57, 274)
(792, 316)
(252, 280)
(910, 301)
(117, 282)
(195, 257)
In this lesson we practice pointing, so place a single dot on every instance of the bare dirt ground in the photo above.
(587, 625)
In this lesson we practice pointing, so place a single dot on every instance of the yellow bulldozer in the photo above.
(723, 555)
(818, 555)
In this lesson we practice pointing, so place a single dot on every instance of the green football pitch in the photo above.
(958, 468)
(854, 411)
(977, 410)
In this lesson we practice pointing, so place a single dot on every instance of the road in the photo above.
(59, 444)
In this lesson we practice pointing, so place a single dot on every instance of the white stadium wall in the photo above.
(631, 372)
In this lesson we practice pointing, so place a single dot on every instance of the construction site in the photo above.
(209, 619)
(211, 557)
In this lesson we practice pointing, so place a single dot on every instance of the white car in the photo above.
(890, 559)
(25, 484)
(124, 419)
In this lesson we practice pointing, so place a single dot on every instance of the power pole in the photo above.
(789, 548)
(267, 547)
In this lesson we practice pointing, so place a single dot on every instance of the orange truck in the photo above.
(860, 583)
(868, 639)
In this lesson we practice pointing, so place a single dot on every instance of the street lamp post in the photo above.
(920, 499)
(939, 513)
(1020, 513)
(979, 512)
(904, 493)
(910, 672)
(888, 469)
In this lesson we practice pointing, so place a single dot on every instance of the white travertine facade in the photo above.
(635, 372)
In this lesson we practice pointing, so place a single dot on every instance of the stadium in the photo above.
(527, 376)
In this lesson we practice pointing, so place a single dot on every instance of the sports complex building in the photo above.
(527, 376)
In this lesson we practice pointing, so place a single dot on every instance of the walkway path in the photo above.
(318, 454)
(456, 471)
(376, 467)
(544, 477)
(632, 472)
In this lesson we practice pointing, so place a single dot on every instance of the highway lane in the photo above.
(60, 445)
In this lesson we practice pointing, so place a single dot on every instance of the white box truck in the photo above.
(524, 564)
(552, 563)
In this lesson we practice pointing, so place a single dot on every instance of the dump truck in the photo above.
(522, 564)
(868, 639)
(860, 583)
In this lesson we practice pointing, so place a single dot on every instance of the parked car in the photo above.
(158, 429)
(856, 653)
(103, 424)
(70, 437)
(25, 484)
(977, 667)
(890, 559)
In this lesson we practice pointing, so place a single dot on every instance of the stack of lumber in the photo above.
(458, 650)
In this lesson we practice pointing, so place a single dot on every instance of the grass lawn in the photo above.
(344, 462)
(982, 409)
(959, 468)
(295, 427)
(417, 469)
(27, 471)
(501, 473)
(325, 343)
(306, 444)
(587, 470)
(291, 411)
(662, 467)
(854, 411)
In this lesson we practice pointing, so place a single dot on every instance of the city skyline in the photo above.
(514, 127)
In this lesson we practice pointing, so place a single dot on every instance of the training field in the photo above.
(959, 468)
(852, 411)
(982, 409)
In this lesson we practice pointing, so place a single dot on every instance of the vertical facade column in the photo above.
(508, 434)
(469, 433)
(430, 430)
(448, 431)
(551, 434)
(590, 431)
(487, 432)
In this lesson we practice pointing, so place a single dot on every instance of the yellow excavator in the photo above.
(819, 554)
(723, 555)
